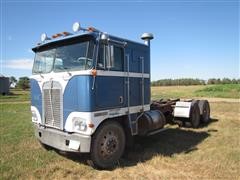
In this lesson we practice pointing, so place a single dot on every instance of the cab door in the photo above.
(110, 86)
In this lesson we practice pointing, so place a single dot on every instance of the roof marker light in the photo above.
(66, 33)
(56, 35)
(76, 27)
(92, 29)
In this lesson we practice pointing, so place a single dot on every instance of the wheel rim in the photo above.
(109, 145)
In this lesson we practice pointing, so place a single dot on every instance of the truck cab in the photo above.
(84, 82)
(90, 93)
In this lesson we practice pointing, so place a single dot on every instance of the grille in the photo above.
(52, 107)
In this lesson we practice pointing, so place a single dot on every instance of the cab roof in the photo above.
(71, 39)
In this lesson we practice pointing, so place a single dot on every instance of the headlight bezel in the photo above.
(79, 124)
(34, 116)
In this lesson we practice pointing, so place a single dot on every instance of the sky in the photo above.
(192, 39)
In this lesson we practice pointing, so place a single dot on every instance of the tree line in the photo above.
(190, 81)
(24, 82)
(21, 83)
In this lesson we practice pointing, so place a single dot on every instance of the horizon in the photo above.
(197, 39)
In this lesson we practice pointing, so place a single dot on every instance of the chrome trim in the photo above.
(142, 58)
(54, 101)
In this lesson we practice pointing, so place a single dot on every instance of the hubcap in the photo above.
(109, 144)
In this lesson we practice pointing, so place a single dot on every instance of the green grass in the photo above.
(20, 152)
(222, 91)
(159, 92)
(16, 95)
(207, 91)
(210, 152)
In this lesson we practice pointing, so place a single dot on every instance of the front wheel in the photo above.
(108, 144)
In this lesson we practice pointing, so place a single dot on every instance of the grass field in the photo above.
(16, 95)
(210, 152)
(210, 91)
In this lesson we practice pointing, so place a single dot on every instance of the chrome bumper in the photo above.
(62, 140)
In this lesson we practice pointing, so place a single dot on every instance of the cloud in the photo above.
(19, 63)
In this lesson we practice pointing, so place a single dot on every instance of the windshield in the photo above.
(78, 56)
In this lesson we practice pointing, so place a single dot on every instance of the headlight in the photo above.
(79, 124)
(34, 116)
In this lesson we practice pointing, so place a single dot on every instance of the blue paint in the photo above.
(147, 91)
(136, 50)
(136, 91)
(36, 95)
(109, 91)
(78, 95)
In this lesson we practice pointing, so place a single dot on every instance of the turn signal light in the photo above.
(94, 72)
(91, 125)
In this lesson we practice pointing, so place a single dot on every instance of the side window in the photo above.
(58, 63)
(101, 57)
(110, 57)
(117, 58)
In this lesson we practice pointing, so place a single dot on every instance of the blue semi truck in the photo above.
(90, 93)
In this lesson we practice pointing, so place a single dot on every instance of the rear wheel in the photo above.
(108, 144)
(204, 111)
(195, 114)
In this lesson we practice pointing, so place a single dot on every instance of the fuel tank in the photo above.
(150, 121)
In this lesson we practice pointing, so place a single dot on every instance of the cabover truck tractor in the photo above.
(90, 93)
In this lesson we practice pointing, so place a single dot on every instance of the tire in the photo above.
(108, 144)
(204, 111)
(195, 114)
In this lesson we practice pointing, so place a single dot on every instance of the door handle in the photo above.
(120, 99)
